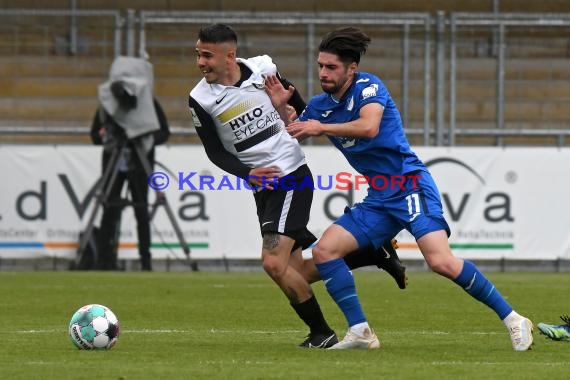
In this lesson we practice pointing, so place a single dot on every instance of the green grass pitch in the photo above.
(210, 325)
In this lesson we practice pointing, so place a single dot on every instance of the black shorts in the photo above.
(286, 209)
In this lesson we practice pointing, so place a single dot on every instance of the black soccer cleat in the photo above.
(318, 340)
(388, 259)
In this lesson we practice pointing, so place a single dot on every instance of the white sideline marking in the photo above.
(224, 331)
(233, 361)
(165, 331)
(461, 363)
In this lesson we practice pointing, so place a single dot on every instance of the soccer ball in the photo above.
(94, 327)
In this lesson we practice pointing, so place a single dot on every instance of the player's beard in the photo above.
(330, 89)
(334, 87)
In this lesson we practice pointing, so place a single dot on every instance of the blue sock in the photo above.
(340, 285)
(479, 287)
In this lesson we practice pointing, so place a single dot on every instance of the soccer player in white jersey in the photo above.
(244, 135)
(357, 113)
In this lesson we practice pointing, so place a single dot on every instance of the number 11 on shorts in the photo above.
(413, 205)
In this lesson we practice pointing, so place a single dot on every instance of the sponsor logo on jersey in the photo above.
(218, 101)
(247, 119)
(370, 91)
(347, 142)
(363, 80)
(236, 110)
(326, 113)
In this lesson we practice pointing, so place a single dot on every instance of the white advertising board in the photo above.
(499, 203)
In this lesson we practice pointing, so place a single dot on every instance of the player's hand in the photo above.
(277, 93)
(264, 177)
(291, 114)
(303, 129)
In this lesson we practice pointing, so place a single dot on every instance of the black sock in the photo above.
(369, 256)
(361, 258)
(310, 312)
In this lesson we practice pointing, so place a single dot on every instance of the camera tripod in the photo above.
(104, 186)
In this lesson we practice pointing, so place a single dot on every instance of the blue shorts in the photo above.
(417, 208)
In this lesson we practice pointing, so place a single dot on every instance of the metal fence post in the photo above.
(73, 28)
(118, 26)
(439, 78)
(427, 79)
(501, 85)
(131, 19)
(310, 59)
(405, 73)
(452, 77)
(142, 36)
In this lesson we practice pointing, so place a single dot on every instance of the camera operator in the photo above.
(128, 115)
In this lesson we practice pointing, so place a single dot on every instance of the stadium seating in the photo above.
(41, 85)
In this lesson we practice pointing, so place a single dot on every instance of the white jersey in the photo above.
(245, 121)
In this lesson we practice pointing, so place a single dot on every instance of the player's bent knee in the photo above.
(274, 267)
(321, 254)
(442, 267)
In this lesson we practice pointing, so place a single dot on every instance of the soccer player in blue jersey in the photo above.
(356, 112)
(243, 135)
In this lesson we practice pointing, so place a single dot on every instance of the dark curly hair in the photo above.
(348, 43)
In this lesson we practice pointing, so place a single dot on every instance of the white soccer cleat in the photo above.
(521, 334)
(367, 341)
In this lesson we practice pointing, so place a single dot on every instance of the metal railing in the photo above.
(73, 15)
(403, 21)
(499, 23)
(408, 40)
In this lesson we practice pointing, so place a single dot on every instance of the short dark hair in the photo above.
(348, 43)
(217, 33)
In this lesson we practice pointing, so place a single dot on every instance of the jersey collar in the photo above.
(256, 78)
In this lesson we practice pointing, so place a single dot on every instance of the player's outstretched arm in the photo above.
(279, 95)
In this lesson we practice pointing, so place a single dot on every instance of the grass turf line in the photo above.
(240, 326)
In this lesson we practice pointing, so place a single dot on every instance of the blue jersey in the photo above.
(388, 153)
(416, 206)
